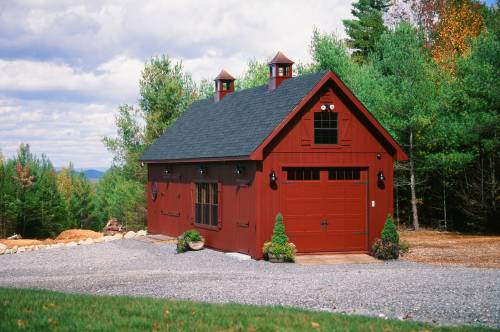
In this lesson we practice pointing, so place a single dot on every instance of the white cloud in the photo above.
(115, 80)
(66, 65)
(64, 131)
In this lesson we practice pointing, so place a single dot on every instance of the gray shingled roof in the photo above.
(233, 127)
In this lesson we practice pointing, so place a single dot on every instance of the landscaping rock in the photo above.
(14, 249)
(15, 237)
(57, 245)
(71, 244)
(142, 233)
(2, 251)
(99, 240)
(129, 235)
(118, 236)
(88, 241)
(109, 238)
(21, 249)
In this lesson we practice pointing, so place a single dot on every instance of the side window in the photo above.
(325, 128)
(207, 204)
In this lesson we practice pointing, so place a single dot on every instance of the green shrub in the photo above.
(265, 249)
(279, 245)
(186, 237)
(192, 236)
(385, 250)
(389, 232)
(404, 247)
(279, 236)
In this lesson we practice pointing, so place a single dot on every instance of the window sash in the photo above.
(207, 204)
(326, 128)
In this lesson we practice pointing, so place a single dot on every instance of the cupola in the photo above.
(280, 69)
(224, 84)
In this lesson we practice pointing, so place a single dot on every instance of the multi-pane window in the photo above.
(325, 128)
(344, 173)
(207, 204)
(302, 173)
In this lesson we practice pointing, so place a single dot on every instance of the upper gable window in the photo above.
(325, 128)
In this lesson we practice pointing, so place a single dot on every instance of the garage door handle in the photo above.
(244, 225)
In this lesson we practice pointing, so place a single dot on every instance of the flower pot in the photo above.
(198, 245)
(276, 258)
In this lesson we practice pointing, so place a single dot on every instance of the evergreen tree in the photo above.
(365, 30)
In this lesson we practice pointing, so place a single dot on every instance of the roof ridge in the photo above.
(263, 85)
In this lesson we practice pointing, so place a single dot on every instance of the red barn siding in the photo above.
(173, 211)
(294, 147)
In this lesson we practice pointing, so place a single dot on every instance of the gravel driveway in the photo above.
(444, 295)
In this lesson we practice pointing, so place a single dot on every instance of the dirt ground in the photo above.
(452, 249)
(65, 237)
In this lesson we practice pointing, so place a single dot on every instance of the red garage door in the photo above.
(325, 209)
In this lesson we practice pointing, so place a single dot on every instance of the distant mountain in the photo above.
(93, 174)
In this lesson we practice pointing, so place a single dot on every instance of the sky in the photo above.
(66, 66)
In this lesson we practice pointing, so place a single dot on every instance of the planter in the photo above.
(198, 245)
(276, 258)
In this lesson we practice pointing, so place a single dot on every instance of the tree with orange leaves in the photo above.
(459, 22)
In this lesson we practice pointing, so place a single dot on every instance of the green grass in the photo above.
(37, 310)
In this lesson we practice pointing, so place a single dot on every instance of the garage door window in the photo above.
(302, 174)
(207, 204)
(344, 174)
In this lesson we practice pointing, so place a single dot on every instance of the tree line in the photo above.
(427, 70)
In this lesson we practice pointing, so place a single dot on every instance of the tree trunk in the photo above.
(412, 186)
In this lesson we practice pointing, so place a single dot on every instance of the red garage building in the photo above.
(303, 146)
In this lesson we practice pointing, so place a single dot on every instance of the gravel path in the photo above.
(443, 295)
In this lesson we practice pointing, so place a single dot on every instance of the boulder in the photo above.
(71, 244)
(21, 249)
(129, 235)
(142, 233)
(57, 245)
(3, 246)
(14, 249)
(99, 240)
(2, 251)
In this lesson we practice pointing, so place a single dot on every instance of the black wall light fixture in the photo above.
(167, 171)
(381, 179)
(239, 169)
(272, 177)
(202, 169)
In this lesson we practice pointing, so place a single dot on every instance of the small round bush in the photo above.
(389, 232)
(385, 250)
(404, 247)
(188, 236)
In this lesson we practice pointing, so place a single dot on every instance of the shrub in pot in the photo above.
(279, 250)
(190, 240)
(387, 247)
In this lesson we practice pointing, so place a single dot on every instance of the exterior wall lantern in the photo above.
(202, 169)
(167, 171)
(272, 177)
(381, 179)
(239, 169)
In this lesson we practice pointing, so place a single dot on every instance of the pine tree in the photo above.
(279, 236)
(366, 29)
